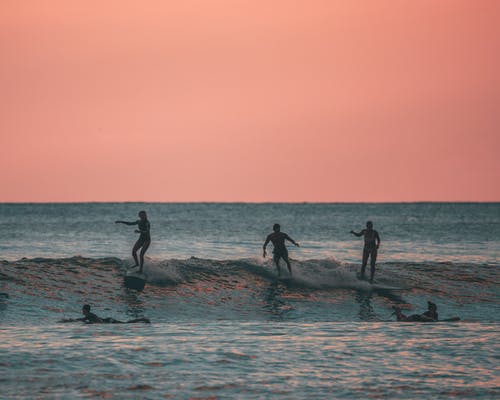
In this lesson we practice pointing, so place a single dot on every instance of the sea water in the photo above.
(222, 325)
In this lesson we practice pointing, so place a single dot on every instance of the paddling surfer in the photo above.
(370, 249)
(91, 318)
(280, 251)
(144, 240)
(429, 316)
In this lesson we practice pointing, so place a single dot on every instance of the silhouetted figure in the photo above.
(425, 317)
(372, 243)
(430, 315)
(91, 318)
(280, 251)
(144, 239)
(431, 311)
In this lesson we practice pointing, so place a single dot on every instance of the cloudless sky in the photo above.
(258, 100)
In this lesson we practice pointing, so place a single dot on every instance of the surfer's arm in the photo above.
(291, 240)
(377, 239)
(358, 234)
(268, 239)
(126, 223)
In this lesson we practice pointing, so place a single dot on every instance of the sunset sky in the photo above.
(258, 100)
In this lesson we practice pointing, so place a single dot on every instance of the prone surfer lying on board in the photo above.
(144, 239)
(91, 318)
(280, 251)
(430, 315)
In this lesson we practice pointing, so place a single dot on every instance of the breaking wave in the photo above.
(240, 288)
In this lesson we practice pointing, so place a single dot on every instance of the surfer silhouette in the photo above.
(91, 318)
(431, 311)
(429, 316)
(144, 238)
(370, 249)
(280, 251)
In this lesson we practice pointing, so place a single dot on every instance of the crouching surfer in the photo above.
(91, 318)
(277, 238)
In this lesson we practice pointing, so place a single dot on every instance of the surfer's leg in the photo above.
(144, 248)
(277, 262)
(373, 260)
(287, 261)
(137, 246)
(363, 264)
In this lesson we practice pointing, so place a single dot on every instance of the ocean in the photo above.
(224, 327)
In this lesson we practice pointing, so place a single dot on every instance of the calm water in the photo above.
(223, 327)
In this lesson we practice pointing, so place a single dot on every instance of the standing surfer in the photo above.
(280, 251)
(144, 239)
(372, 243)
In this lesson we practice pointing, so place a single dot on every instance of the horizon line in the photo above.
(255, 202)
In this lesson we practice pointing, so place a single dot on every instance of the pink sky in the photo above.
(258, 100)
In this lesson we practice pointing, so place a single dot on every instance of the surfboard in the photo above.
(453, 319)
(135, 280)
(377, 286)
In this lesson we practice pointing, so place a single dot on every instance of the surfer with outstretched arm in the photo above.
(372, 243)
(144, 239)
(280, 251)
(91, 318)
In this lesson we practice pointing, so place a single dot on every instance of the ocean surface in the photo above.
(224, 327)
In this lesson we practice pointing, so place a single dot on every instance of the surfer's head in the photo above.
(369, 224)
(143, 215)
(397, 312)
(276, 227)
(86, 309)
(431, 305)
